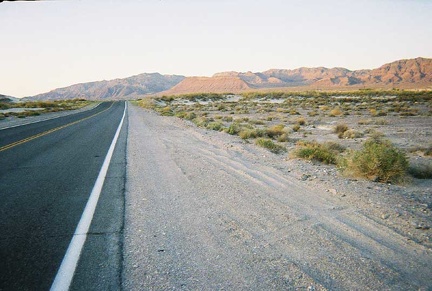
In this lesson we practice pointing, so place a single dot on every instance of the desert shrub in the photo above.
(335, 112)
(351, 133)
(215, 125)
(408, 112)
(379, 160)
(251, 133)
(147, 103)
(201, 121)
(227, 118)
(180, 114)
(312, 113)
(2, 116)
(315, 151)
(257, 122)
(381, 121)
(275, 131)
(270, 145)
(166, 111)
(334, 146)
(190, 115)
(301, 121)
(365, 121)
(340, 129)
(283, 138)
(233, 129)
(296, 127)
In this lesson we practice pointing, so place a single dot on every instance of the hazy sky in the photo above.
(51, 44)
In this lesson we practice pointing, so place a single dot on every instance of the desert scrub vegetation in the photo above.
(340, 129)
(284, 118)
(351, 133)
(326, 153)
(270, 145)
(38, 107)
(378, 160)
(249, 133)
(276, 131)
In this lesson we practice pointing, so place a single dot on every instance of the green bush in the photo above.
(166, 111)
(233, 129)
(379, 160)
(270, 145)
(215, 126)
(325, 153)
(251, 133)
(201, 121)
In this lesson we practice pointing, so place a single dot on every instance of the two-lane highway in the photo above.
(47, 172)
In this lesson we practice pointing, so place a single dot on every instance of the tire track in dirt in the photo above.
(237, 223)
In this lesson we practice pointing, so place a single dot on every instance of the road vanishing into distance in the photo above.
(120, 198)
(48, 170)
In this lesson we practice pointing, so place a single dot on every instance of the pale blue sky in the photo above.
(51, 44)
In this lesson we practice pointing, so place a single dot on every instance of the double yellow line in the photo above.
(14, 144)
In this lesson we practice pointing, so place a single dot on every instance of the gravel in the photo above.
(205, 211)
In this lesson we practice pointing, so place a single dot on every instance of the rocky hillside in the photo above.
(405, 74)
(413, 73)
(128, 88)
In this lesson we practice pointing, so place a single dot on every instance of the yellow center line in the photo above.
(14, 144)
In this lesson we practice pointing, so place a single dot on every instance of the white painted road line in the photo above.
(67, 268)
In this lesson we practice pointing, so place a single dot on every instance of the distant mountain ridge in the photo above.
(127, 88)
(404, 74)
(412, 73)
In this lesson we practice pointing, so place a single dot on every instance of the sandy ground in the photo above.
(206, 211)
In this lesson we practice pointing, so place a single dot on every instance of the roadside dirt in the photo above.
(206, 210)
(15, 121)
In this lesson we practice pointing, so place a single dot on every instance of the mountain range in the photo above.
(404, 74)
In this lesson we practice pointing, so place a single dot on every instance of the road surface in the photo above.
(48, 170)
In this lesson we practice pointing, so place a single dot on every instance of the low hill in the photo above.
(220, 84)
(5, 98)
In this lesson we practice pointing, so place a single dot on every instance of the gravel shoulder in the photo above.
(206, 211)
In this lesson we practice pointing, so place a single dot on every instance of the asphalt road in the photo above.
(46, 177)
